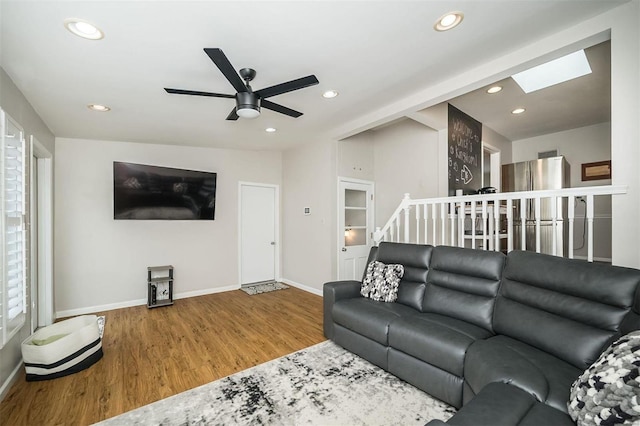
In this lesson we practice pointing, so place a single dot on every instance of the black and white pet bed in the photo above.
(63, 348)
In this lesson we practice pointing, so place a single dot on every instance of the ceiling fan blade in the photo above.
(279, 108)
(221, 61)
(196, 93)
(289, 86)
(232, 115)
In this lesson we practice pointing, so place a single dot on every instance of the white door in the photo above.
(258, 226)
(355, 227)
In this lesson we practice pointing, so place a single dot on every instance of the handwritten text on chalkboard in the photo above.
(465, 152)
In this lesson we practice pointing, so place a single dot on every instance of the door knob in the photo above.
(344, 249)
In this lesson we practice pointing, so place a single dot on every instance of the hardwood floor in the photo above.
(150, 354)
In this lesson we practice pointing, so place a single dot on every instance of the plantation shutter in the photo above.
(13, 229)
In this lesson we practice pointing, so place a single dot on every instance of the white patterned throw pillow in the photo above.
(381, 281)
(608, 392)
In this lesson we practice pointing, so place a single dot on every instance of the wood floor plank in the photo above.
(150, 354)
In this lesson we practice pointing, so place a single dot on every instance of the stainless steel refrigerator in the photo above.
(546, 173)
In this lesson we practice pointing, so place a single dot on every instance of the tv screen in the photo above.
(142, 192)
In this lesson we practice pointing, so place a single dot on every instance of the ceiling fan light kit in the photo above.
(249, 102)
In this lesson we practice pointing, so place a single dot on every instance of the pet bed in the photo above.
(62, 348)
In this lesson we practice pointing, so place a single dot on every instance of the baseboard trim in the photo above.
(138, 302)
(315, 291)
(13, 377)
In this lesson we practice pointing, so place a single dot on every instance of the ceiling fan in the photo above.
(248, 102)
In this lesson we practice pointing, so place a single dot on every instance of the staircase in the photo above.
(495, 221)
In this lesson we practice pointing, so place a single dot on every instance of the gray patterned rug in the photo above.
(320, 385)
(263, 288)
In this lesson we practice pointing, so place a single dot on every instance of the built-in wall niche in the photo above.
(355, 217)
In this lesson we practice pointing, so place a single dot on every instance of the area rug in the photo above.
(263, 288)
(320, 385)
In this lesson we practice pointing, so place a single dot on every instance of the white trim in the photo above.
(495, 165)
(45, 232)
(13, 377)
(276, 269)
(301, 286)
(140, 302)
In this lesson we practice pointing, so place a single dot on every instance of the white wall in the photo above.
(405, 158)
(582, 145)
(101, 262)
(625, 130)
(309, 180)
(16, 105)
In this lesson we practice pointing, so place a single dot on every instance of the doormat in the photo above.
(263, 288)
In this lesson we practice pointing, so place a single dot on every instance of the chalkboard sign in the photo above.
(465, 152)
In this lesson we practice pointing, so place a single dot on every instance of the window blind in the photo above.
(14, 236)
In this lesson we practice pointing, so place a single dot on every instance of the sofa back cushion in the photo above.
(415, 259)
(569, 308)
(463, 283)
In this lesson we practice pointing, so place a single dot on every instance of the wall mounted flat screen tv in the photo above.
(142, 192)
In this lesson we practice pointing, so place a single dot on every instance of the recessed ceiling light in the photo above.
(83, 29)
(494, 89)
(98, 107)
(270, 129)
(448, 21)
(518, 111)
(553, 72)
(330, 94)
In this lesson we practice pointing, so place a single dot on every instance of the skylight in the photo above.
(554, 72)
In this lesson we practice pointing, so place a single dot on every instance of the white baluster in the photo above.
(509, 225)
(590, 227)
(523, 222)
(554, 225)
(473, 224)
(434, 223)
(406, 222)
(571, 216)
(443, 222)
(426, 224)
(537, 214)
(496, 224)
(417, 224)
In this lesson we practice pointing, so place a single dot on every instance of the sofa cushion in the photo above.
(381, 281)
(569, 308)
(463, 283)
(500, 404)
(368, 317)
(503, 359)
(436, 339)
(609, 391)
(415, 259)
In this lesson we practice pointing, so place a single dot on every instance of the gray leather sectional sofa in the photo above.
(502, 338)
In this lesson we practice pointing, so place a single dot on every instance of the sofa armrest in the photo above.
(332, 292)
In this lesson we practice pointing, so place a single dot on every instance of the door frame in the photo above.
(495, 162)
(44, 175)
(276, 225)
(371, 218)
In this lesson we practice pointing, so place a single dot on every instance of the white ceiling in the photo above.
(373, 53)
